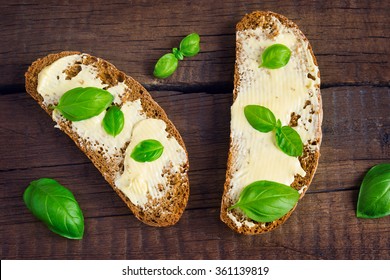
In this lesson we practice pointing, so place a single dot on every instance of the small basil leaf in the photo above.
(266, 201)
(189, 46)
(113, 121)
(178, 54)
(83, 103)
(260, 118)
(275, 56)
(289, 141)
(56, 206)
(147, 151)
(165, 66)
(278, 124)
(374, 194)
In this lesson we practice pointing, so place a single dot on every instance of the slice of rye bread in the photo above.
(309, 159)
(164, 211)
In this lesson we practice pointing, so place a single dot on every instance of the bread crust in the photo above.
(160, 212)
(309, 160)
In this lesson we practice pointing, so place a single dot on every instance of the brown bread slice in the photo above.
(270, 24)
(164, 211)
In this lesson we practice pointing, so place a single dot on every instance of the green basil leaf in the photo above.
(83, 103)
(289, 141)
(266, 201)
(178, 54)
(56, 206)
(165, 66)
(278, 124)
(113, 121)
(260, 118)
(189, 46)
(374, 194)
(147, 151)
(275, 56)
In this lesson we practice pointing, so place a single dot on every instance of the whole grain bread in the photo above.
(164, 211)
(309, 160)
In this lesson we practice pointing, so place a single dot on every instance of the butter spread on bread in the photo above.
(157, 192)
(292, 93)
(140, 178)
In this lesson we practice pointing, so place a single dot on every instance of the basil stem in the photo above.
(178, 54)
(56, 206)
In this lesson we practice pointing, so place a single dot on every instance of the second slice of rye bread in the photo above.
(268, 23)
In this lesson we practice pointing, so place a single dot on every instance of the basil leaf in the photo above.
(289, 141)
(278, 124)
(165, 66)
(83, 103)
(147, 151)
(113, 121)
(189, 46)
(56, 206)
(374, 194)
(275, 56)
(266, 201)
(260, 118)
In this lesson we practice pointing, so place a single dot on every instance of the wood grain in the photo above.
(334, 234)
(349, 38)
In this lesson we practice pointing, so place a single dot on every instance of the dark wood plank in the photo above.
(356, 131)
(350, 39)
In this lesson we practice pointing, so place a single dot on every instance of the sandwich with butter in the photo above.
(275, 124)
(122, 130)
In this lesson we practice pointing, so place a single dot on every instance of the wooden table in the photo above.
(351, 42)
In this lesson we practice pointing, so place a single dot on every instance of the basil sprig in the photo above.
(374, 194)
(263, 120)
(56, 206)
(168, 63)
(275, 56)
(83, 103)
(266, 201)
(147, 151)
(113, 121)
